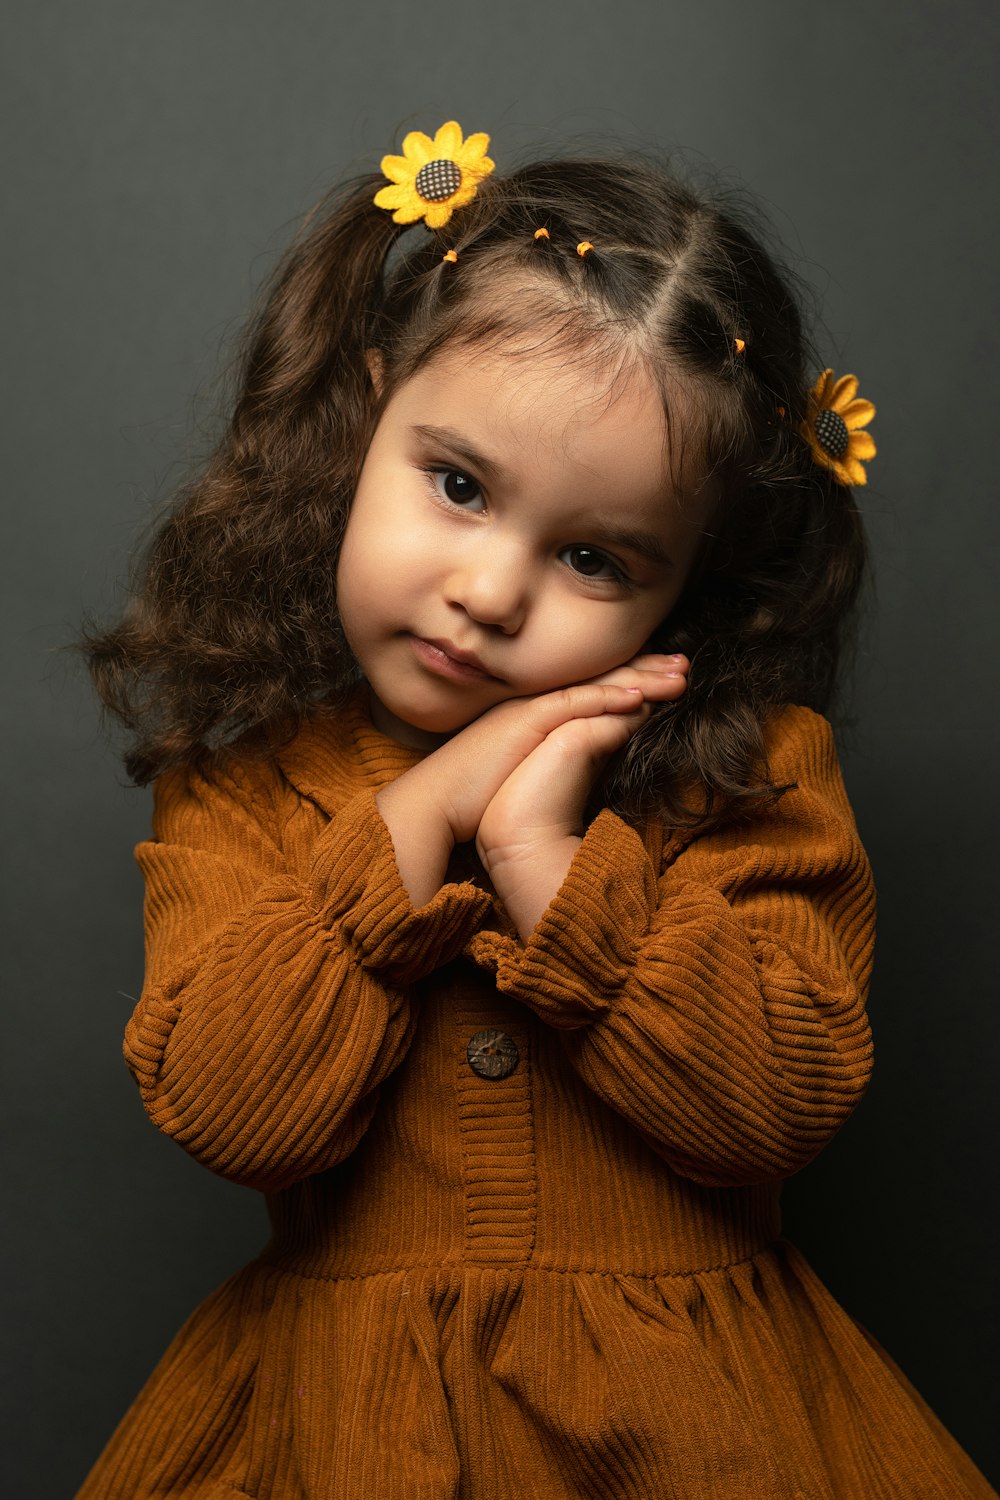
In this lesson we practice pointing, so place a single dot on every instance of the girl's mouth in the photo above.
(447, 660)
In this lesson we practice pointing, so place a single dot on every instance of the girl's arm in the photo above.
(718, 1003)
(276, 1000)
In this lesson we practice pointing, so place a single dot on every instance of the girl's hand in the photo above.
(545, 794)
(441, 801)
(533, 825)
(606, 710)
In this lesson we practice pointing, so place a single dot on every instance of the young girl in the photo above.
(506, 919)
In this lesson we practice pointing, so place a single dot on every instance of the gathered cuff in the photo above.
(583, 949)
(357, 886)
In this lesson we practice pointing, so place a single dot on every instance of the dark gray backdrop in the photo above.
(157, 157)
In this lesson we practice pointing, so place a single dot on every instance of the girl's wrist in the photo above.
(421, 834)
(527, 877)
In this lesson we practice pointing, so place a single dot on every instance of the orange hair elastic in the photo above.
(584, 247)
(451, 255)
(542, 234)
(740, 345)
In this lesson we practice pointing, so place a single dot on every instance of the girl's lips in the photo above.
(446, 660)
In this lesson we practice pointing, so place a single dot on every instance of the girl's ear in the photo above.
(376, 367)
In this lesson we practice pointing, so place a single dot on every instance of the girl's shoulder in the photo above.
(802, 755)
(225, 802)
(333, 755)
(803, 803)
(793, 730)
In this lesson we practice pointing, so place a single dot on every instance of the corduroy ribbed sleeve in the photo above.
(719, 1005)
(273, 1007)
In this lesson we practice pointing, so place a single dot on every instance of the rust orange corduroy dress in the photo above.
(565, 1281)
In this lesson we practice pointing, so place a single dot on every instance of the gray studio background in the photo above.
(157, 160)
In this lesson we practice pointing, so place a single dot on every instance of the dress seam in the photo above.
(513, 1269)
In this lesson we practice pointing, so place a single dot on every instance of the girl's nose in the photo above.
(492, 590)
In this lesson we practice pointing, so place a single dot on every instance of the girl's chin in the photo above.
(427, 733)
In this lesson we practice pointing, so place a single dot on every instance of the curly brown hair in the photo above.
(231, 631)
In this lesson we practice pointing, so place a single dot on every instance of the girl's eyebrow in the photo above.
(646, 543)
(449, 438)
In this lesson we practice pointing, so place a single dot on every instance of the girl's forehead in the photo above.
(543, 408)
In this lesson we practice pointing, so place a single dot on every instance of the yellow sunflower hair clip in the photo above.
(434, 177)
(834, 427)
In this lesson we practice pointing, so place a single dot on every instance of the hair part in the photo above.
(231, 628)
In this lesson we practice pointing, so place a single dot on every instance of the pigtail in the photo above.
(306, 350)
(232, 628)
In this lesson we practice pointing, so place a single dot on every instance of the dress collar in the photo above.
(338, 752)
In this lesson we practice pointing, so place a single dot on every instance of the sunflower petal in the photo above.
(861, 445)
(393, 196)
(409, 208)
(463, 195)
(475, 146)
(857, 414)
(418, 147)
(478, 169)
(843, 391)
(438, 214)
(448, 140)
(398, 168)
(855, 471)
(820, 390)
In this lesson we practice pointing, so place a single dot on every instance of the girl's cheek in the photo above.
(567, 656)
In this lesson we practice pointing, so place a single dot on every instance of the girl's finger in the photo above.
(595, 739)
(585, 700)
(657, 677)
(658, 665)
(654, 660)
(588, 700)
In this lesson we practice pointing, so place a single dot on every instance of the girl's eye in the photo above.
(457, 487)
(590, 563)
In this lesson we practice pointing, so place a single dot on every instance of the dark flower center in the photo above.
(437, 180)
(831, 433)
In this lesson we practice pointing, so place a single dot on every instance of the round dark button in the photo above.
(831, 433)
(492, 1054)
(437, 180)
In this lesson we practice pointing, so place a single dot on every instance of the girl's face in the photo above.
(515, 529)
